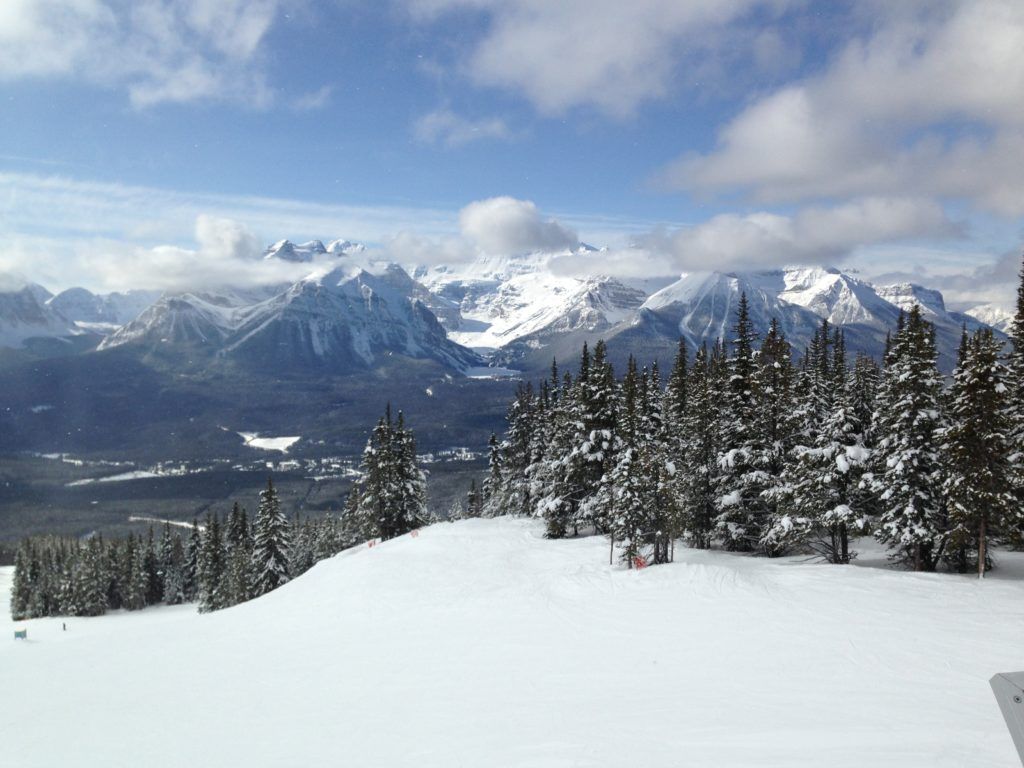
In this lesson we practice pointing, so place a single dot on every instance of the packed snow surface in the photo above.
(480, 643)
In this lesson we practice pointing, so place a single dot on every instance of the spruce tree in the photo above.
(491, 490)
(907, 476)
(1015, 402)
(828, 472)
(271, 538)
(190, 568)
(978, 484)
(392, 488)
(473, 501)
(212, 567)
(742, 512)
(777, 423)
(238, 579)
(699, 435)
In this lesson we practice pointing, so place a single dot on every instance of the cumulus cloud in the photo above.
(811, 236)
(921, 106)
(448, 129)
(159, 50)
(508, 225)
(600, 53)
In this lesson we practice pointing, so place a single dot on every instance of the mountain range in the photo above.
(356, 332)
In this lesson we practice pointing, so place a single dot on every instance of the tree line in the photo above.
(225, 561)
(745, 448)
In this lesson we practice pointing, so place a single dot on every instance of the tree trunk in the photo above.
(844, 544)
(981, 547)
(611, 551)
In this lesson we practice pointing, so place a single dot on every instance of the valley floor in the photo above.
(480, 643)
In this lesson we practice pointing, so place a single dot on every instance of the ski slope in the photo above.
(480, 643)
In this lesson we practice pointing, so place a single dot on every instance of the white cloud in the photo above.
(444, 127)
(606, 54)
(812, 236)
(159, 50)
(508, 225)
(925, 106)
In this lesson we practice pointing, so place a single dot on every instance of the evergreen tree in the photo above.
(474, 503)
(171, 558)
(828, 472)
(742, 512)
(137, 579)
(21, 588)
(212, 566)
(392, 489)
(777, 424)
(271, 539)
(90, 581)
(190, 568)
(154, 577)
(238, 579)
(491, 491)
(698, 455)
(978, 484)
(1015, 402)
(907, 475)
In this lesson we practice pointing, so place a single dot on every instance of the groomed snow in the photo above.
(482, 644)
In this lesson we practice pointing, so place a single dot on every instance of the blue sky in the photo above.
(737, 133)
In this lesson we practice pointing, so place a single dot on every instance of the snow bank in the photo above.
(482, 644)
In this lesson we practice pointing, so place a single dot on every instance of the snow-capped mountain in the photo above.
(994, 315)
(702, 307)
(308, 251)
(26, 314)
(522, 300)
(102, 311)
(349, 318)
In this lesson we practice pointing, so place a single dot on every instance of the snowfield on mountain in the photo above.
(480, 643)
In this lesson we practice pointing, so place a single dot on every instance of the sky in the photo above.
(144, 143)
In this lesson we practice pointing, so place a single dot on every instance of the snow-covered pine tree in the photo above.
(1015, 402)
(592, 436)
(907, 477)
(238, 575)
(696, 465)
(190, 568)
(171, 556)
(561, 455)
(742, 511)
(628, 489)
(474, 503)
(412, 482)
(212, 567)
(978, 482)
(491, 489)
(456, 512)
(137, 578)
(392, 489)
(777, 425)
(271, 539)
(522, 453)
(154, 578)
(21, 587)
(90, 580)
(829, 470)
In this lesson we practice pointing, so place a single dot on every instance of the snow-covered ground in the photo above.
(482, 644)
(253, 440)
